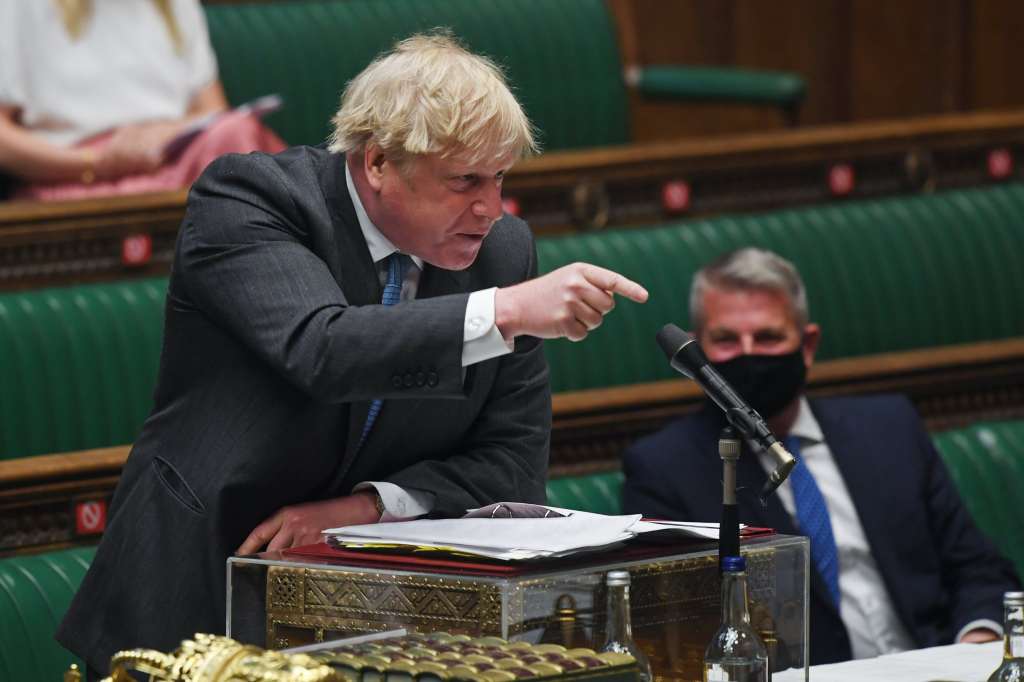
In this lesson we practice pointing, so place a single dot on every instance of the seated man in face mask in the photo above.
(897, 563)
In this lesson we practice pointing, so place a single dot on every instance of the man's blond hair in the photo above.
(430, 95)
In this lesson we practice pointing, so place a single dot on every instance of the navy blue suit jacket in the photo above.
(938, 568)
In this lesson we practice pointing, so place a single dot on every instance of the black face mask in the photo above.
(767, 382)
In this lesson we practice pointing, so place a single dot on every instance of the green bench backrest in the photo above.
(80, 362)
(35, 591)
(987, 463)
(560, 56)
(882, 275)
(78, 365)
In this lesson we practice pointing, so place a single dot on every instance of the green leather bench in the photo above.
(883, 275)
(986, 461)
(79, 365)
(561, 57)
(35, 591)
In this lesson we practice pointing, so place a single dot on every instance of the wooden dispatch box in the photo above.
(278, 600)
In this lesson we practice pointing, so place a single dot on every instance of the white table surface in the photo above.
(953, 663)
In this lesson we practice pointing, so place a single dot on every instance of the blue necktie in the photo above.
(812, 515)
(397, 264)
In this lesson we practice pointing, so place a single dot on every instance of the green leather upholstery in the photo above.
(987, 463)
(79, 365)
(35, 591)
(721, 84)
(561, 57)
(600, 493)
(882, 275)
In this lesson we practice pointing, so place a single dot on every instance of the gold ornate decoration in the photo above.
(350, 602)
(210, 658)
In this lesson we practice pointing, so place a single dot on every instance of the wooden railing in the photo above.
(57, 243)
(50, 501)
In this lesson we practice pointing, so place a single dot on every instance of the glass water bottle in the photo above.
(619, 631)
(736, 653)
(1012, 669)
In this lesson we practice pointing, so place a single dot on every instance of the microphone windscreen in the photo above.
(671, 338)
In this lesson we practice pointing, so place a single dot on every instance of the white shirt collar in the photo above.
(806, 426)
(379, 245)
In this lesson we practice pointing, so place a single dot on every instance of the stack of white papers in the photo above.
(516, 539)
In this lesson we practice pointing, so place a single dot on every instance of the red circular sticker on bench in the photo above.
(136, 249)
(90, 517)
(675, 196)
(511, 206)
(841, 179)
(1000, 163)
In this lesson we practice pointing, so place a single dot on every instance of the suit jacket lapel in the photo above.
(353, 268)
(851, 455)
(356, 273)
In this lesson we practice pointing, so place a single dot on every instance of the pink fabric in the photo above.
(231, 133)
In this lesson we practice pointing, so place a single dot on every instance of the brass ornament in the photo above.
(211, 658)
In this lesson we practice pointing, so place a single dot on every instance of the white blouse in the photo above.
(123, 68)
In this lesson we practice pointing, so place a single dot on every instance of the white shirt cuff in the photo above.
(980, 623)
(399, 504)
(481, 339)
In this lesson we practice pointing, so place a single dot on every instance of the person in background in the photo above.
(91, 92)
(352, 335)
(897, 563)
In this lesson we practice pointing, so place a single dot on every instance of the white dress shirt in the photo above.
(866, 609)
(481, 340)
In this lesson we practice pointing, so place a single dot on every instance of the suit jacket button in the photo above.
(432, 379)
(408, 381)
(421, 378)
(396, 381)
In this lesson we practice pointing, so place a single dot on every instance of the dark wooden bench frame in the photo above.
(563, 192)
(951, 386)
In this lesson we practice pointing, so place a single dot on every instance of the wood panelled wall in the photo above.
(862, 59)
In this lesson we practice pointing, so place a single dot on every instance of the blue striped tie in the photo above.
(397, 264)
(812, 515)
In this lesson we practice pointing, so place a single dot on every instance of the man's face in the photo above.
(753, 322)
(439, 208)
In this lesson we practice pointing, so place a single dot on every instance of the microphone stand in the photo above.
(729, 445)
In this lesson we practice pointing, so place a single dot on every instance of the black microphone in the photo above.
(686, 357)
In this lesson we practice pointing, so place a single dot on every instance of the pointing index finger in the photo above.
(615, 283)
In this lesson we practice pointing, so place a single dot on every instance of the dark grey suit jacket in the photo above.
(274, 346)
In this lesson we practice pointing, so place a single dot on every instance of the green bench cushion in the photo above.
(721, 84)
(600, 493)
(561, 57)
(882, 275)
(986, 461)
(79, 365)
(35, 591)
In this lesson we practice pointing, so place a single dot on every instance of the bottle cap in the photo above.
(1013, 599)
(734, 564)
(617, 578)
